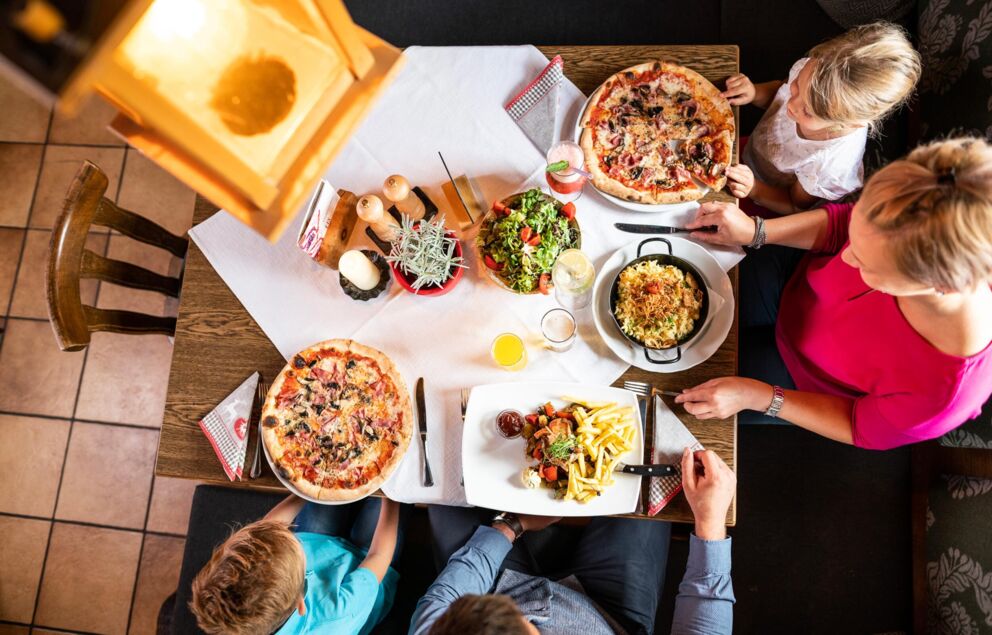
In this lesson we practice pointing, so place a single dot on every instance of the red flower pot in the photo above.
(449, 284)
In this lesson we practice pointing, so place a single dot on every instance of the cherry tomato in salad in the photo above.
(542, 283)
(492, 264)
(525, 233)
(535, 240)
(568, 210)
(499, 208)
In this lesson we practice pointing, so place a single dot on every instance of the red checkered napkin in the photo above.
(226, 427)
(535, 108)
(671, 437)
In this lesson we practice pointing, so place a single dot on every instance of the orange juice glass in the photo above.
(509, 352)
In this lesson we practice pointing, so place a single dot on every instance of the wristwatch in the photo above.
(778, 398)
(511, 521)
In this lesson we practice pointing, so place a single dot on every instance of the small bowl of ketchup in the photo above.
(510, 423)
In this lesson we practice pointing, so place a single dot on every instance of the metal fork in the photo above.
(643, 392)
(256, 463)
(465, 393)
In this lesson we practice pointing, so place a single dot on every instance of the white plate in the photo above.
(292, 487)
(704, 344)
(493, 464)
(631, 205)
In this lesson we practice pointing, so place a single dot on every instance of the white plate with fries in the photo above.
(607, 424)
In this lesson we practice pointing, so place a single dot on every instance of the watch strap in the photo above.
(511, 521)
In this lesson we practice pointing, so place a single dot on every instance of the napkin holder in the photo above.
(328, 224)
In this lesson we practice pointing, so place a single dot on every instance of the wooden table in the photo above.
(218, 344)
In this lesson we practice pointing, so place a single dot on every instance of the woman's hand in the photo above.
(733, 227)
(740, 180)
(740, 90)
(725, 396)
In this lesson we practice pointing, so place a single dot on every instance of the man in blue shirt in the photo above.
(611, 585)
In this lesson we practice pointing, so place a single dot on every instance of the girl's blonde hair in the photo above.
(862, 75)
(252, 581)
(935, 206)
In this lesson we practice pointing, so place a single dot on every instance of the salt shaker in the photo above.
(397, 189)
(370, 210)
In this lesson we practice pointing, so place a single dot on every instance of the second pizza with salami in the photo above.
(337, 421)
(657, 133)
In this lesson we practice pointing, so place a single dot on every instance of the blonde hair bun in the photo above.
(935, 206)
(862, 75)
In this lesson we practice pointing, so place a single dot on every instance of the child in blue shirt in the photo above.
(304, 568)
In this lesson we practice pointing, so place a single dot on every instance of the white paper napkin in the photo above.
(671, 437)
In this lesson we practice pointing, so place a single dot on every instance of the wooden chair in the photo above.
(69, 260)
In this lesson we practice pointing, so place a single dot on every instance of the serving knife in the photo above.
(652, 469)
(422, 421)
(635, 228)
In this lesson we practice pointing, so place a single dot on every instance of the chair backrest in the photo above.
(69, 260)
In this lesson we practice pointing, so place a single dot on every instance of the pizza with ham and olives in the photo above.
(337, 420)
(657, 133)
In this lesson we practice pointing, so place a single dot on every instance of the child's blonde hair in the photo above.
(935, 206)
(862, 75)
(252, 582)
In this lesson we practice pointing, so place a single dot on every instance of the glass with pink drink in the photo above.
(570, 179)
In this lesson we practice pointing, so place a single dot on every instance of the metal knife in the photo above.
(634, 228)
(422, 421)
(653, 469)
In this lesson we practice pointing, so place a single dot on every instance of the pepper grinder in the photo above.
(370, 210)
(397, 189)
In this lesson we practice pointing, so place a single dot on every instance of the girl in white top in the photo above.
(809, 144)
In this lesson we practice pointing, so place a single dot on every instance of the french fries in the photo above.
(604, 432)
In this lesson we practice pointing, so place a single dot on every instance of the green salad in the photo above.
(523, 237)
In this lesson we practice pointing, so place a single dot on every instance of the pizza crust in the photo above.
(404, 432)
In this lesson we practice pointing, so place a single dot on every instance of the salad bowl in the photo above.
(521, 237)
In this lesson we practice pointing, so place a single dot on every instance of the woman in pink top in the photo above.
(884, 326)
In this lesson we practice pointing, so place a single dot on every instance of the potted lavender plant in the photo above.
(425, 257)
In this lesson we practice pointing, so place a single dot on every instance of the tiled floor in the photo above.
(92, 540)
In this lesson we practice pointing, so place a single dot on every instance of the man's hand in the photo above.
(740, 180)
(536, 523)
(740, 90)
(528, 522)
(709, 487)
(725, 396)
(733, 227)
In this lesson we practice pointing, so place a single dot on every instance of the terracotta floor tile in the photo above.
(22, 552)
(24, 118)
(105, 492)
(19, 164)
(10, 252)
(31, 454)
(113, 296)
(139, 362)
(37, 377)
(152, 192)
(11, 629)
(88, 126)
(89, 577)
(171, 501)
(60, 166)
(30, 293)
(158, 577)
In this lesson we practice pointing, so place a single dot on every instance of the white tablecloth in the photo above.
(448, 99)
